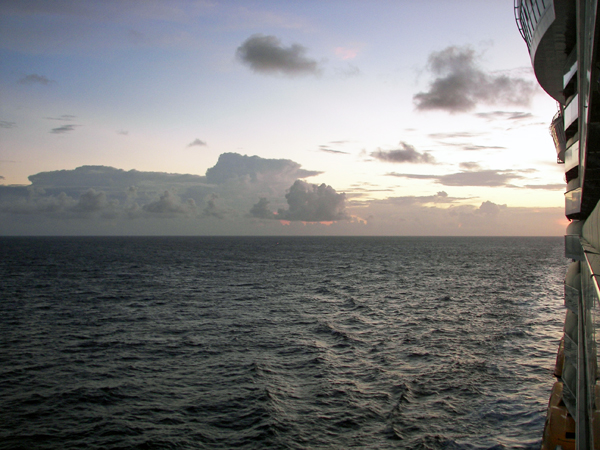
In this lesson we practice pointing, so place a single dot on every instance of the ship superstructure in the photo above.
(563, 38)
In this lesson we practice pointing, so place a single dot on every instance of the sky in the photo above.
(403, 117)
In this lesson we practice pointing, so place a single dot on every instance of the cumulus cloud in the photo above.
(407, 154)
(261, 210)
(490, 208)
(63, 129)
(170, 205)
(233, 166)
(470, 178)
(91, 201)
(306, 203)
(211, 209)
(265, 54)
(197, 143)
(313, 203)
(35, 79)
(460, 84)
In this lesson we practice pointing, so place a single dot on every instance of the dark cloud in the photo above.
(63, 129)
(504, 115)
(5, 124)
(460, 85)
(471, 178)
(407, 154)
(313, 203)
(261, 210)
(197, 142)
(265, 54)
(35, 79)
(233, 166)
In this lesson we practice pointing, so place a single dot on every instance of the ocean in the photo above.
(278, 342)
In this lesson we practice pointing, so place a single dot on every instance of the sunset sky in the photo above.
(261, 117)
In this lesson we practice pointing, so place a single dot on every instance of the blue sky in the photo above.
(398, 117)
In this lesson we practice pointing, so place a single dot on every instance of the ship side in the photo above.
(562, 37)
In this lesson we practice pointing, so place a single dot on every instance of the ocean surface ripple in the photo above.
(284, 343)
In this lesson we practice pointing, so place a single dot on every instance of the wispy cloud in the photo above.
(467, 178)
(5, 124)
(504, 115)
(549, 187)
(35, 79)
(197, 143)
(63, 129)
(460, 84)
(327, 149)
(265, 54)
(63, 118)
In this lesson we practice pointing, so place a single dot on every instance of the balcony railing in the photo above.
(557, 131)
(527, 14)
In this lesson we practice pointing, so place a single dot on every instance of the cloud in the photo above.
(63, 129)
(460, 85)
(170, 205)
(504, 115)
(306, 203)
(64, 118)
(123, 132)
(407, 154)
(5, 124)
(549, 187)
(233, 166)
(261, 210)
(439, 197)
(326, 149)
(313, 203)
(197, 142)
(469, 166)
(490, 208)
(265, 54)
(458, 134)
(471, 178)
(211, 209)
(35, 79)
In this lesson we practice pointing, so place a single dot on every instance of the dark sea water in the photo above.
(285, 343)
